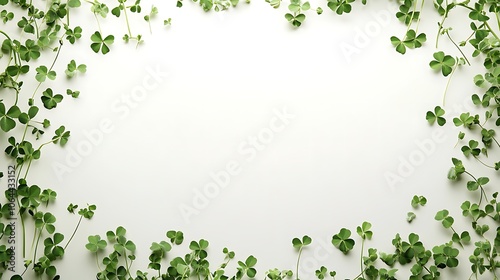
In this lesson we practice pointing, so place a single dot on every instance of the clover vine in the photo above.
(32, 29)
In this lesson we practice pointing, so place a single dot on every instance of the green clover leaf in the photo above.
(442, 62)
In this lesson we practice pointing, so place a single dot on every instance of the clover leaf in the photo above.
(436, 116)
(7, 117)
(445, 218)
(50, 100)
(342, 241)
(72, 68)
(43, 73)
(95, 243)
(100, 43)
(443, 62)
(364, 231)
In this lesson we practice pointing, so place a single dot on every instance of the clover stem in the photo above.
(74, 232)
(191, 258)
(445, 16)
(411, 18)
(67, 15)
(486, 165)
(459, 49)
(25, 131)
(448, 83)
(57, 55)
(149, 23)
(98, 23)
(498, 20)
(28, 168)
(38, 241)
(126, 19)
(50, 69)
(491, 30)
(23, 226)
(418, 20)
(298, 262)
(357, 276)
(126, 262)
(33, 242)
(495, 274)
(97, 261)
(483, 192)
(425, 267)
(362, 251)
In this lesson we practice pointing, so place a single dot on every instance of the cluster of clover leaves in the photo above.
(28, 91)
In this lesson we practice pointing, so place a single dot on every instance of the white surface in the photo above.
(355, 119)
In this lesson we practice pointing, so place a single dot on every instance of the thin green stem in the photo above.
(482, 191)
(498, 19)
(361, 259)
(448, 83)
(491, 30)
(298, 262)
(97, 261)
(74, 232)
(38, 241)
(126, 19)
(67, 15)
(411, 17)
(418, 20)
(459, 49)
(51, 66)
(357, 276)
(126, 262)
(98, 23)
(445, 16)
(24, 271)
(483, 163)
(28, 168)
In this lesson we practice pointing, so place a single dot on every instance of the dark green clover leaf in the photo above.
(29, 51)
(342, 241)
(299, 244)
(73, 34)
(100, 44)
(176, 237)
(61, 136)
(436, 116)
(50, 100)
(406, 13)
(471, 149)
(24, 118)
(247, 267)
(442, 62)
(7, 117)
(445, 256)
(364, 230)
(340, 6)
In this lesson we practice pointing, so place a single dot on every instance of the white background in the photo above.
(357, 118)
